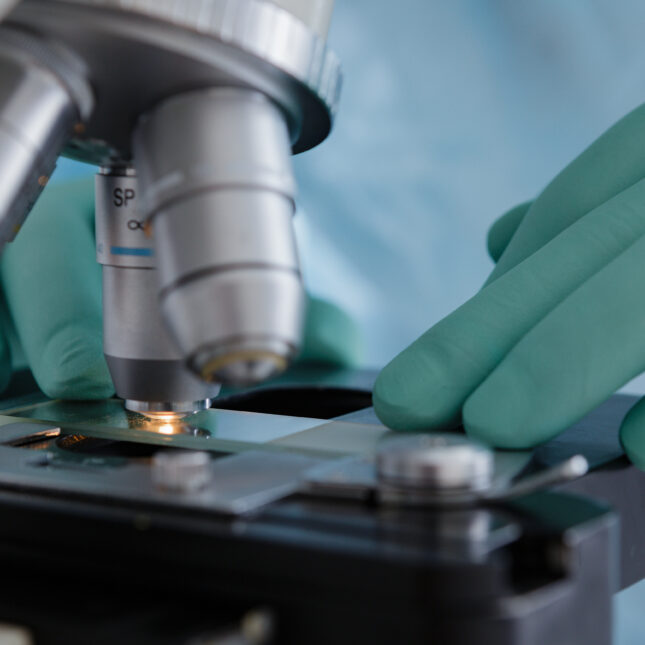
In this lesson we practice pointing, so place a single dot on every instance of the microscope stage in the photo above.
(232, 511)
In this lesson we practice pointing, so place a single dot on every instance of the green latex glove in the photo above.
(560, 323)
(331, 336)
(52, 285)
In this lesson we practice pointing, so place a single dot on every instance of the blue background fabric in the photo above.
(452, 113)
(67, 170)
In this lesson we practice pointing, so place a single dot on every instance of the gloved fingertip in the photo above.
(72, 366)
(501, 413)
(404, 401)
(389, 406)
(632, 434)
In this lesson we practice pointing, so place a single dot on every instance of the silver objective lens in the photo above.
(6, 6)
(146, 367)
(43, 96)
(215, 173)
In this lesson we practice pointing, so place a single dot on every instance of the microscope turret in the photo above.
(192, 110)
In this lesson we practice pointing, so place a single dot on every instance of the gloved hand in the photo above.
(560, 323)
(52, 286)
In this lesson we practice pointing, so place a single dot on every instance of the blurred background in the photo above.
(452, 113)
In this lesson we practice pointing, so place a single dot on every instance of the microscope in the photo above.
(287, 513)
(191, 109)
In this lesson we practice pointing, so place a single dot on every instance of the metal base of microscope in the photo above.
(81, 568)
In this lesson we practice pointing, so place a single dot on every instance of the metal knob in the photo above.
(183, 471)
(438, 462)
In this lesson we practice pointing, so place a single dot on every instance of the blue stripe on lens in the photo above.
(125, 250)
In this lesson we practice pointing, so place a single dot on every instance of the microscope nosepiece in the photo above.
(215, 173)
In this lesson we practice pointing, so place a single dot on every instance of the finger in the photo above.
(632, 434)
(611, 164)
(331, 336)
(504, 228)
(427, 384)
(53, 287)
(572, 360)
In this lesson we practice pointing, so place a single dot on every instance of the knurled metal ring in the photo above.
(255, 26)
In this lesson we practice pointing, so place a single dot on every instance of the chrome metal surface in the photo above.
(499, 489)
(146, 366)
(19, 433)
(246, 43)
(258, 27)
(6, 6)
(183, 471)
(167, 408)
(59, 60)
(38, 111)
(236, 485)
(216, 180)
(441, 462)
(316, 14)
(363, 478)
(269, 471)
(568, 470)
